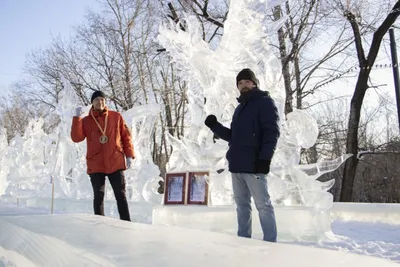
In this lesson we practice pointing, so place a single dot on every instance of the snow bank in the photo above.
(88, 240)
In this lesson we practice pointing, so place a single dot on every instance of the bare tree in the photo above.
(14, 114)
(171, 94)
(366, 61)
(332, 116)
(113, 43)
(42, 91)
(211, 15)
(304, 71)
(45, 85)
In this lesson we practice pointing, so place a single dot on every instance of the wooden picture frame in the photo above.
(198, 188)
(175, 188)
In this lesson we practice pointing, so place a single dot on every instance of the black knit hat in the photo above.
(97, 94)
(246, 74)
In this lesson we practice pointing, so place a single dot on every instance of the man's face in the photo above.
(99, 103)
(245, 85)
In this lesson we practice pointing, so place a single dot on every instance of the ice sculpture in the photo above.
(212, 90)
(144, 173)
(26, 159)
(4, 169)
(41, 163)
(68, 167)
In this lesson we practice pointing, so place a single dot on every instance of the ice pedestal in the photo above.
(367, 212)
(294, 223)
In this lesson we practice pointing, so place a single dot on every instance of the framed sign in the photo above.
(198, 188)
(174, 188)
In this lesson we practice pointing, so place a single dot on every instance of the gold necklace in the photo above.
(103, 139)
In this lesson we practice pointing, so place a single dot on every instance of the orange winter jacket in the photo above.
(109, 157)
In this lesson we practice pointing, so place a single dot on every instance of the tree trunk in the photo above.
(346, 194)
(285, 62)
(299, 91)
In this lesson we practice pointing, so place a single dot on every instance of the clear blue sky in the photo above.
(29, 24)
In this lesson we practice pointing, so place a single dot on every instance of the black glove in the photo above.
(262, 166)
(211, 121)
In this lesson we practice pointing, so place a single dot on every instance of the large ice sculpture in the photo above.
(68, 167)
(211, 74)
(37, 158)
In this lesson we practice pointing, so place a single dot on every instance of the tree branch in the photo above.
(381, 31)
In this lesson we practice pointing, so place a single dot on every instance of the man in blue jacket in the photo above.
(252, 138)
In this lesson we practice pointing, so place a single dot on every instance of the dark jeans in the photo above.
(117, 181)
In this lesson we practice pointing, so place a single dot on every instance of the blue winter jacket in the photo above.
(254, 131)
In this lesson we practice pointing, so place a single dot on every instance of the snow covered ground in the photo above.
(31, 237)
(368, 238)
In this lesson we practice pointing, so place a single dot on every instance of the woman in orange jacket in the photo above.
(109, 141)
